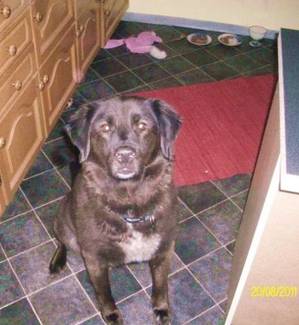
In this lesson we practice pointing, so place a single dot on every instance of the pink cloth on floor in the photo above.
(140, 44)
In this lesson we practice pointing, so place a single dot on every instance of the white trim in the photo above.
(192, 23)
(256, 239)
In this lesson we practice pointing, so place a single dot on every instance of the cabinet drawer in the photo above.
(9, 10)
(49, 19)
(87, 32)
(15, 41)
(21, 134)
(17, 77)
(57, 77)
(113, 11)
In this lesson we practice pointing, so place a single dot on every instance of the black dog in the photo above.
(122, 205)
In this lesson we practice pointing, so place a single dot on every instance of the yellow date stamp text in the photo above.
(273, 291)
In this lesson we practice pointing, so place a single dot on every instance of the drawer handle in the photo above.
(41, 85)
(2, 143)
(80, 30)
(5, 11)
(45, 79)
(38, 17)
(12, 50)
(17, 84)
(107, 12)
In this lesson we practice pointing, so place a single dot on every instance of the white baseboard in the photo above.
(192, 23)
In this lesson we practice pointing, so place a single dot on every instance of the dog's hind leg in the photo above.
(58, 260)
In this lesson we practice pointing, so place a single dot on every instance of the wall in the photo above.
(272, 14)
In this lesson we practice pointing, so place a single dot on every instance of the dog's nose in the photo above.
(125, 155)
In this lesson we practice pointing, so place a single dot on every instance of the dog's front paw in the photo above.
(162, 316)
(113, 318)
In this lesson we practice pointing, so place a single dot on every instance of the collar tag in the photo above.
(147, 217)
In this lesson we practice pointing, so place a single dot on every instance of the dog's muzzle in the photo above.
(124, 165)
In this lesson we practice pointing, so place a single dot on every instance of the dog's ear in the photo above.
(79, 128)
(169, 124)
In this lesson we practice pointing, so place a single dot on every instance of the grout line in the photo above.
(30, 249)
(132, 71)
(49, 202)
(209, 230)
(245, 73)
(137, 280)
(55, 139)
(235, 195)
(36, 215)
(198, 68)
(16, 216)
(72, 272)
(38, 174)
(84, 291)
(203, 287)
(58, 172)
(130, 296)
(204, 256)
(203, 210)
(199, 315)
(103, 79)
(222, 301)
(12, 302)
(186, 267)
(159, 64)
(50, 284)
(225, 246)
(117, 73)
(20, 284)
(196, 215)
(85, 319)
(228, 197)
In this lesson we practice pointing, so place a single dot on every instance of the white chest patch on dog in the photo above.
(138, 248)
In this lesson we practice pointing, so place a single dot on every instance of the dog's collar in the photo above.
(130, 219)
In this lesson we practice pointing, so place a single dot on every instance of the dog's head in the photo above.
(124, 135)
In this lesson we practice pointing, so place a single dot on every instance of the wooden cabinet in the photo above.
(21, 135)
(88, 16)
(49, 20)
(57, 77)
(46, 47)
(112, 13)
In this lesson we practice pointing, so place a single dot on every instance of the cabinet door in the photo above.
(87, 32)
(57, 78)
(10, 9)
(50, 18)
(21, 135)
(113, 11)
(14, 40)
(14, 79)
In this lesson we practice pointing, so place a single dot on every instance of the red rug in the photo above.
(222, 127)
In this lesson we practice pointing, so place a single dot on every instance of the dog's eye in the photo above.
(105, 127)
(141, 125)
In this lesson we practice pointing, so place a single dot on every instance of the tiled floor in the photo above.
(209, 213)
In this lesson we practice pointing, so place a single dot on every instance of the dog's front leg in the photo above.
(99, 276)
(160, 267)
